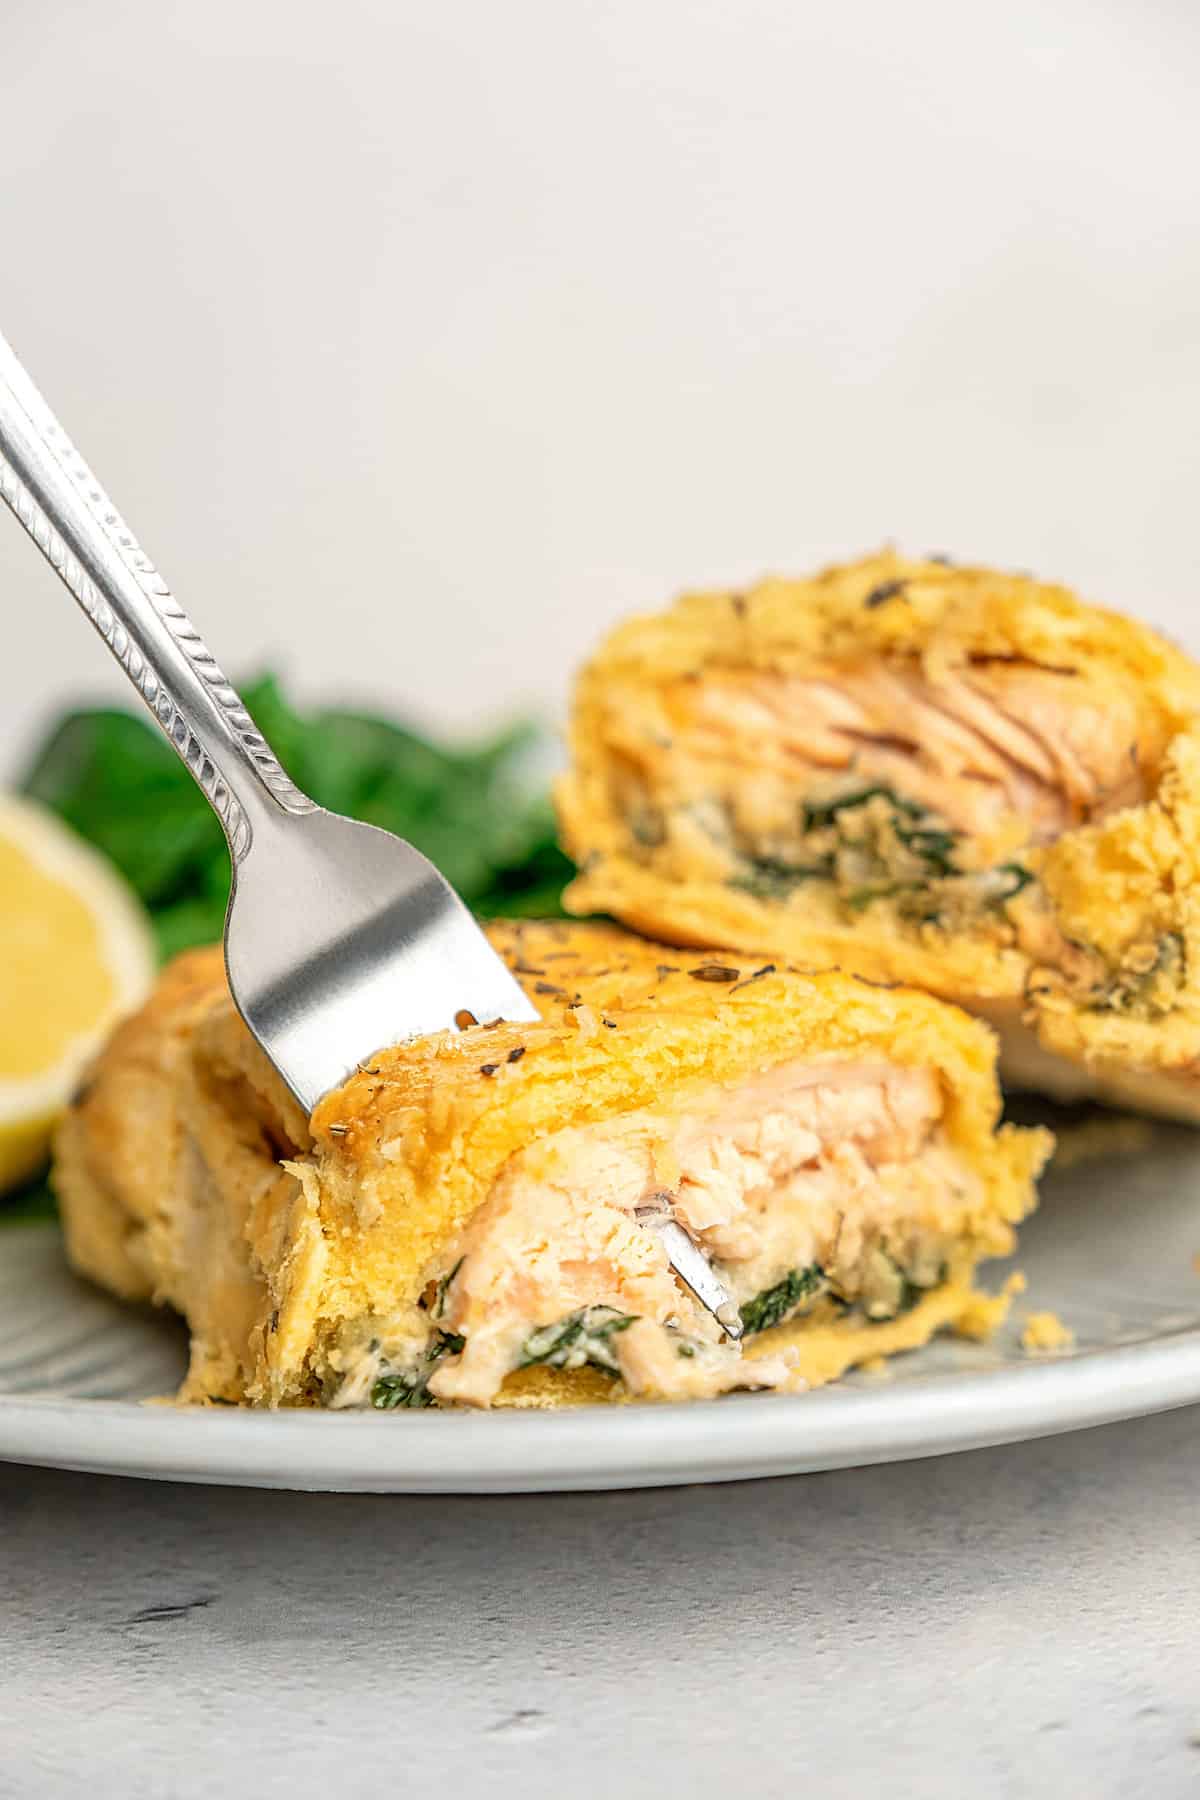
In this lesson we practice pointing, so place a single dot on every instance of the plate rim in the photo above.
(746, 1437)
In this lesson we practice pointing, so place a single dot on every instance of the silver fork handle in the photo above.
(58, 500)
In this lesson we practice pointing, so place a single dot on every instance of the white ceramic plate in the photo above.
(1111, 1251)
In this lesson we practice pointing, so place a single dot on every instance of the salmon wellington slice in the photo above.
(476, 1218)
(967, 781)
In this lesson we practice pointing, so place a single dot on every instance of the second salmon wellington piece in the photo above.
(964, 780)
(475, 1217)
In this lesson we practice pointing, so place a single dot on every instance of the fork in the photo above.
(340, 938)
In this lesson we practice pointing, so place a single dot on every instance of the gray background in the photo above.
(418, 342)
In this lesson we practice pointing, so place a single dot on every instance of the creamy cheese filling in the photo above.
(810, 1180)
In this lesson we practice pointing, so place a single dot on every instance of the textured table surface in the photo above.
(1011, 1622)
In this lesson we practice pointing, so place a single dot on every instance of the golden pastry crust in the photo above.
(188, 1176)
(896, 606)
(1093, 972)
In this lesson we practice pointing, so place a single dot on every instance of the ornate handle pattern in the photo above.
(54, 495)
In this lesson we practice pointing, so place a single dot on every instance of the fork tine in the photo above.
(374, 947)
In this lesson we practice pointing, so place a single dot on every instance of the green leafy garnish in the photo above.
(118, 783)
(582, 1337)
(774, 1304)
(29, 1204)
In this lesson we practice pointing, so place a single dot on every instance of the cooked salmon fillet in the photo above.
(470, 1220)
(967, 781)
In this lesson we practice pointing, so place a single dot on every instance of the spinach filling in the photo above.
(1147, 984)
(815, 817)
(768, 879)
(909, 1292)
(410, 1387)
(583, 1337)
(435, 1302)
(775, 1304)
(896, 1295)
(873, 844)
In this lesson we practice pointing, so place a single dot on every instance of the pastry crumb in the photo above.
(985, 1313)
(1045, 1332)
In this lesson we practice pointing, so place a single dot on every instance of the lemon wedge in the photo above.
(75, 954)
